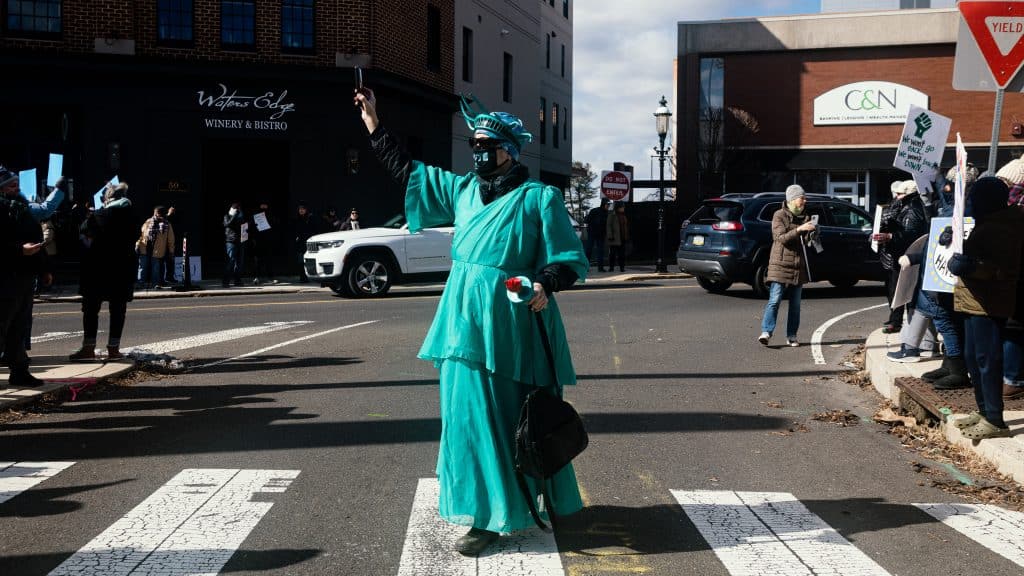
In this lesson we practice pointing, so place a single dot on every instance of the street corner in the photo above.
(58, 374)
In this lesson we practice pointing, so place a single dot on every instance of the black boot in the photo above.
(22, 379)
(939, 372)
(957, 377)
(475, 541)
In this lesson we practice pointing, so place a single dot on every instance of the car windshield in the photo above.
(712, 212)
(397, 221)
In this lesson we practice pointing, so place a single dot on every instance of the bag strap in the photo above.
(520, 478)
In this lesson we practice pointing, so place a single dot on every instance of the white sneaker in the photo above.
(763, 338)
(792, 343)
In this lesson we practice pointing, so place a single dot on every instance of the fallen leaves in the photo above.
(843, 418)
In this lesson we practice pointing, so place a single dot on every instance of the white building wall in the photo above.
(862, 5)
(519, 28)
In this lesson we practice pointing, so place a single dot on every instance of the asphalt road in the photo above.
(674, 389)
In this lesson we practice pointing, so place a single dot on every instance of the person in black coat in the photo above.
(304, 226)
(20, 243)
(109, 263)
(904, 221)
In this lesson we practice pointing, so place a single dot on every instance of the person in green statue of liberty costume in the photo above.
(488, 349)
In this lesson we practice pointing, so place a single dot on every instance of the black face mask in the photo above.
(485, 162)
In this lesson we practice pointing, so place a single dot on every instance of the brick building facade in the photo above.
(199, 103)
(768, 81)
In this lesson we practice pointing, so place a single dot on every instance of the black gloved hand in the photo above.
(946, 238)
(961, 265)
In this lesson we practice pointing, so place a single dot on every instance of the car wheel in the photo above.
(340, 288)
(843, 283)
(760, 282)
(713, 286)
(369, 276)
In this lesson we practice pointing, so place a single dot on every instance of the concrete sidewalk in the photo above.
(1006, 454)
(60, 374)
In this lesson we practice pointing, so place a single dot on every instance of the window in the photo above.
(563, 60)
(238, 24)
(547, 52)
(711, 116)
(467, 55)
(433, 38)
(297, 30)
(543, 120)
(174, 21)
(565, 123)
(554, 124)
(846, 216)
(565, 8)
(38, 18)
(506, 79)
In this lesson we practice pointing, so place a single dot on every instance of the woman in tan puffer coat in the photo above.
(787, 268)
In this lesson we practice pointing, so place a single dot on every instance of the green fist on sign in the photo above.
(924, 123)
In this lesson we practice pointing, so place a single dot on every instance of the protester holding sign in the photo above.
(988, 270)
(903, 222)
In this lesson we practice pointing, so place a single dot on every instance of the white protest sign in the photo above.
(97, 198)
(262, 224)
(54, 170)
(937, 277)
(923, 142)
(244, 230)
(959, 191)
(27, 184)
(876, 227)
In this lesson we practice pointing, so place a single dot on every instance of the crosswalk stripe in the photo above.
(198, 340)
(998, 529)
(16, 477)
(283, 344)
(52, 336)
(429, 548)
(191, 525)
(756, 533)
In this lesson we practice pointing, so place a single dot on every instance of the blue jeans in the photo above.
(233, 262)
(771, 310)
(150, 270)
(1013, 355)
(592, 244)
(983, 353)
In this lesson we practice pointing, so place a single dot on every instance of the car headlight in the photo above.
(331, 244)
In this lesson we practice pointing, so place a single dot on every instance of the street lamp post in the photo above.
(661, 117)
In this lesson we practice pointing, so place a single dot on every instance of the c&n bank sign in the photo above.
(869, 102)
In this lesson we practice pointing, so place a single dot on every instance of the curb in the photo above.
(62, 377)
(1006, 454)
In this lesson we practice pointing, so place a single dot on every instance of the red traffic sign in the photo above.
(614, 185)
(997, 27)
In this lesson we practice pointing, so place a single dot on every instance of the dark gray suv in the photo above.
(729, 239)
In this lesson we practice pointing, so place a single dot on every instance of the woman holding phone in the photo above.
(787, 265)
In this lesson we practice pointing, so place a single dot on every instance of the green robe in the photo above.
(488, 349)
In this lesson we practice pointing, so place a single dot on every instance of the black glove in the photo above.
(946, 238)
(961, 265)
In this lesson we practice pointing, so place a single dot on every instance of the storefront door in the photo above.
(844, 191)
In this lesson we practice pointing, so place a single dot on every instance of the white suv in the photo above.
(368, 261)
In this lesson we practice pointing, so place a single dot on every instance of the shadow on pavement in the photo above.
(642, 530)
(241, 560)
(264, 362)
(48, 502)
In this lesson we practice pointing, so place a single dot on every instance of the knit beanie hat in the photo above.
(6, 176)
(895, 187)
(794, 191)
(1012, 172)
(988, 195)
(502, 126)
(970, 175)
(908, 187)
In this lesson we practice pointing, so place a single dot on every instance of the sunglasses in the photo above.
(481, 144)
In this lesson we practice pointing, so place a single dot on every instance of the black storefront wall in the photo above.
(200, 137)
